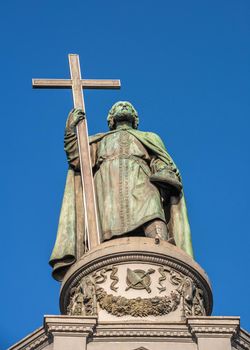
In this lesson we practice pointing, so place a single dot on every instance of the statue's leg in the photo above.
(156, 229)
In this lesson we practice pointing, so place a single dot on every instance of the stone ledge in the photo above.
(32, 341)
(142, 329)
(242, 340)
(213, 326)
(76, 325)
(190, 331)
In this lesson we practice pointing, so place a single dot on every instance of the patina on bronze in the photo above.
(137, 185)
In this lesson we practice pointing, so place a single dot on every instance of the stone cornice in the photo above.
(183, 332)
(70, 324)
(142, 330)
(242, 340)
(213, 326)
(33, 341)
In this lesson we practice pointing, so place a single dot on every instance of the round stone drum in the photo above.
(133, 278)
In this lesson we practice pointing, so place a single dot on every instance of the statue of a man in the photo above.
(138, 186)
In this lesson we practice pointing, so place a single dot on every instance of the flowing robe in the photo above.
(126, 198)
(122, 161)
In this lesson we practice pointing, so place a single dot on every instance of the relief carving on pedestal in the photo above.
(139, 279)
(101, 276)
(83, 298)
(191, 295)
(138, 307)
(88, 295)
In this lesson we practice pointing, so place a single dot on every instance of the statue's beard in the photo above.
(123, 116)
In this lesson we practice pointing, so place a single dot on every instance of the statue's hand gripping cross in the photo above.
(77, 84)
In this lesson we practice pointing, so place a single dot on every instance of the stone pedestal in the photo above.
(135, 294)
(136, 278)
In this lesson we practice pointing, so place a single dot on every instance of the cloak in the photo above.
(64, 252)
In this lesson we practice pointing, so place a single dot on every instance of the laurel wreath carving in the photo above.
(138, 307)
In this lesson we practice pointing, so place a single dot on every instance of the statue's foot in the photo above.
(156, 229)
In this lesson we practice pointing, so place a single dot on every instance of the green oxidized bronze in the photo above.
(138, 187)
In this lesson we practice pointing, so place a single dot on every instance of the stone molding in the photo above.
(35, 340)
(35, 344)
(56, 325)
(179, 332)
(213, 326)
(242, 340)
(142, 330)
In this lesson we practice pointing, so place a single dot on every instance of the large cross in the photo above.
(77, 84)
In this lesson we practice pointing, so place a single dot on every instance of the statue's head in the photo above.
(122, 111)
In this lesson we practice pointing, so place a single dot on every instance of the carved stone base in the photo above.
(134, 278)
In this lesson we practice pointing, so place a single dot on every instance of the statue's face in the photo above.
(123, 111)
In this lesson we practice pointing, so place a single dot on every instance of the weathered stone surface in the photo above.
(214, 333)
(69, 332)
(86, 333)
(39, 339)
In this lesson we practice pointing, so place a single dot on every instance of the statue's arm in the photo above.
(70, 138)
(166, 177)
(158, 164)
(165, 173)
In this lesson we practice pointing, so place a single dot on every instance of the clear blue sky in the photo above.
(185, 67)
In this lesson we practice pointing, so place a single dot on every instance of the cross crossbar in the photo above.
(67, 84)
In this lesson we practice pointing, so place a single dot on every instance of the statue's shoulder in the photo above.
(150, 136)
(98, 137)
(153, 135)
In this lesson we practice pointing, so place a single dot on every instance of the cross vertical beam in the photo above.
(77, 84)
(91, 218)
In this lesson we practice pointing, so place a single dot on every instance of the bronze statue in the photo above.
(138, 187)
